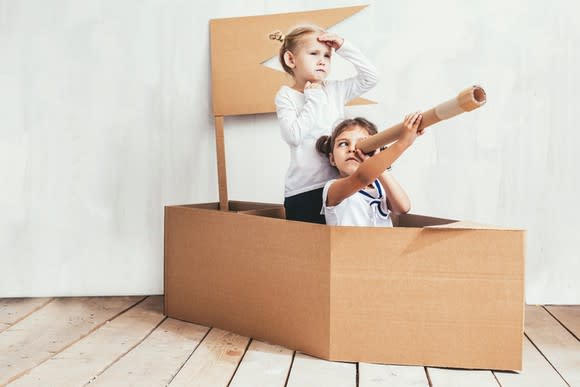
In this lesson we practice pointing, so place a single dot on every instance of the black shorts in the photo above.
(305, 207)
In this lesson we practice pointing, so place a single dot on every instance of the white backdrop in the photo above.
(105, 117)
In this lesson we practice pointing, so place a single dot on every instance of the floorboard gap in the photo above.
(28, 314)
(189, 357)
(428, 377)
(240, 362)
(560, 322)
(290, 369)
(53, 354)
(548, 360)
(126, 352)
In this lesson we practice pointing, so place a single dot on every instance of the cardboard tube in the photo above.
(466, 101)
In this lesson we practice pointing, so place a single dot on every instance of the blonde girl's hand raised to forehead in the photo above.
(331, 40)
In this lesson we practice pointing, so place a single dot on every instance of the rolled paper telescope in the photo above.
(466, 101)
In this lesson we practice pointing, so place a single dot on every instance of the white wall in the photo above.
(106, 117)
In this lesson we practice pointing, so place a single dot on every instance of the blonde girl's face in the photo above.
(312, 60)
(343, 155)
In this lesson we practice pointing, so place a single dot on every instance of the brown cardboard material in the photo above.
(467, 100)
(239, 46)
(423, 293)
(430, 291)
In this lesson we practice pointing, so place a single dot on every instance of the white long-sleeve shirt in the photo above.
(304, 117)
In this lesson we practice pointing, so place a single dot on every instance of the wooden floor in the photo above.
(126, 341)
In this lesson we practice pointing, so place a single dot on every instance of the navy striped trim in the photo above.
(379, 190)
(376, 201)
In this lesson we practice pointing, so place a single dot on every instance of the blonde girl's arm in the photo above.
(397, 199)
(374, 166)
(367, 75)
(294, 125)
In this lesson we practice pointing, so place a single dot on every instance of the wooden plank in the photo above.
(537, 371)
(378, 375)
(53, 328)
(158, 358)
(263, 365)
(214, 361)
(569, 316)
(85, 359)
(13, 310)
(447, 377)
(310, 371)
(221, 162)
(555, 343)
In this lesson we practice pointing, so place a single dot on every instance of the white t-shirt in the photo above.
(304, 117)
(364, 208)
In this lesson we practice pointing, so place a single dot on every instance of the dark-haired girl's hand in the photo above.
(363, 156)
(410, 127)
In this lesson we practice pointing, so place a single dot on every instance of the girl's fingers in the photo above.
(416, 116)
(330, 39)
(413, 120)
(416, 120)
(327, 37)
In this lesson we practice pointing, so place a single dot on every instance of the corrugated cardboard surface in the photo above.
(407, 295)
(442, 297)
(257, 276)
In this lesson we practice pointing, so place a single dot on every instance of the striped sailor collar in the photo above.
(377, 187)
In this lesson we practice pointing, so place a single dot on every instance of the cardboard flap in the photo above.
(465, 225)
(419, 221)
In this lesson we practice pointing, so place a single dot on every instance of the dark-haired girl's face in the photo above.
(343, 156)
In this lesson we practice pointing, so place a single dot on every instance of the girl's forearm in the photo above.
(373, 167)
(398, 199)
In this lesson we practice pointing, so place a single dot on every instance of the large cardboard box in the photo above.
(428, 292)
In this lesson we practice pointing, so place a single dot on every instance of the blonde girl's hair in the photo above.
(291, 41)
(325, 144)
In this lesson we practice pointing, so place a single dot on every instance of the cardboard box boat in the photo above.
(429, 291)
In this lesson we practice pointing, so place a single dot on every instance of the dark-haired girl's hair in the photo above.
(325, 144)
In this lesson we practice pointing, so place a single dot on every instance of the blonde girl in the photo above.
(310, 108)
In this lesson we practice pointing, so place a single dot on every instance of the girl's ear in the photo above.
(331, 157)
(289, 59)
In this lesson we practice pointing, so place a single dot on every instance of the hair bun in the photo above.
(276, 35)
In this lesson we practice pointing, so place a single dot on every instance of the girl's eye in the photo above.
(342, 143)
(327, 56)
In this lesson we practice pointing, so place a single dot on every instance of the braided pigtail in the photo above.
(323, 145)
